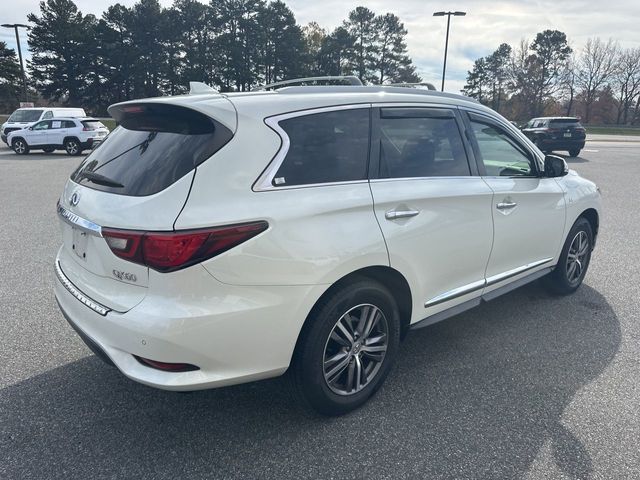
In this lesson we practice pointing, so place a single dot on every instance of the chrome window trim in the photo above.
(264, 183)
(71, 288)
(465, 177)
(480, 284)
(78, 222)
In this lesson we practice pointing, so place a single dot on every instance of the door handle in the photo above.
(506, 205)
(395, 214)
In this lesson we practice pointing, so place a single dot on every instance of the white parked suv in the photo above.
(215, 239)
(72, 135)
(25, 117)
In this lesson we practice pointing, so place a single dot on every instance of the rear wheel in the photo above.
(574, 153)
(72, 146)
(48, 149)
(347, 348)
(574, 259)
(20, 146)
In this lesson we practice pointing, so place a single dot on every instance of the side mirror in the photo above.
(555, 166)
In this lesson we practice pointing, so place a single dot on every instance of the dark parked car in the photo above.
(556, 133)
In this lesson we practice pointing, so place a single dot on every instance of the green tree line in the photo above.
(599, 82)
(147, 50)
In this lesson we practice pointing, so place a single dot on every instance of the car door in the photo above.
(528, 209)
(433, 208)
(38, 133)
(57, 132)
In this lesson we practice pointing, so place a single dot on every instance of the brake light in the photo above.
(169, 251)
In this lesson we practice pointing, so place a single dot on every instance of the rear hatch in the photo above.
(138, 179)
(566, 129)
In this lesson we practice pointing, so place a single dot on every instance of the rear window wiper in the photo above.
(100, 179)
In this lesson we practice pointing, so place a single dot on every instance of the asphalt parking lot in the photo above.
(526, 386)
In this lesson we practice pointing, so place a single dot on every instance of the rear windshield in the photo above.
(92, 124)
(564, 122)
(154, 146)
(25, 116)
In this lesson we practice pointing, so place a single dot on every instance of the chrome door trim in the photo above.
(515, 271)
(78, 222)
(456, 292)
(264, 182)
(480, 284)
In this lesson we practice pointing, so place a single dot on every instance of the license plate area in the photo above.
(79, 245)
(567, 135)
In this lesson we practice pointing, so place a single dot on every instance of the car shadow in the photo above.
(476, 396)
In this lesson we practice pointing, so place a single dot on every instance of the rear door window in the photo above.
(325, 148)
(154, 146)
(420, 142)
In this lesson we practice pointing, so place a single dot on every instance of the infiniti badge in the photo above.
(75, 198)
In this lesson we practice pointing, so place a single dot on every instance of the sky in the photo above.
(488, 23)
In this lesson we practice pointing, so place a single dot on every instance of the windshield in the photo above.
(25, 116)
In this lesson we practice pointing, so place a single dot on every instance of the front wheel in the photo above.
(72, 147)
(574, 259)
(574, 153)
(20, 146)
(347, 347)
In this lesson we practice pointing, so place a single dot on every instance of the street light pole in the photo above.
(446, 43)
(15, 26)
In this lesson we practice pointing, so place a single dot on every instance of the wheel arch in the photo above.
(70, 137)
(389, 277)
(591, 215)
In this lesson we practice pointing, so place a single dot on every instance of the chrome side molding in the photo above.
(78, 222)
(480, 284)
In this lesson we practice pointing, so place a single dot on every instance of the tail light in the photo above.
(169, 251)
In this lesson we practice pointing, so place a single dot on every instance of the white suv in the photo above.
(66, 133)
(217, 239)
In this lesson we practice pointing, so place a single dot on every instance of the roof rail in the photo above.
(429, 86)
(372, 89)
(351, 79)
(197, 88)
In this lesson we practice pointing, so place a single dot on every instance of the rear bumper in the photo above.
(561, 144)
(233, 334)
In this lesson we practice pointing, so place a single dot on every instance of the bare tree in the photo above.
(626, 82)
(596, 66)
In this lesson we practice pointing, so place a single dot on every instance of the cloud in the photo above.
(487, 25)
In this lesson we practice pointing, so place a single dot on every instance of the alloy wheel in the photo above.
(577, 256)
(355, 349)
(19, 146)
(72, 147)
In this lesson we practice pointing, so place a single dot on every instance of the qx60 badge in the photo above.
(126, 276)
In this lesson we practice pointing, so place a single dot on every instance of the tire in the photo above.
(574, 153)
(72, 147)
(326, 363)
(20, 146)
(565, 279)
(48, 149)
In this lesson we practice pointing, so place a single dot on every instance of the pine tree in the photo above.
(10, 79)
